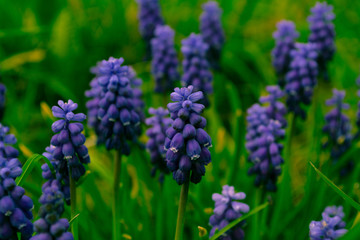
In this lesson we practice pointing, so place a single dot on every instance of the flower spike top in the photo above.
(196, 67)
(6, 141)
(227, 209)
(164, 59)
(285, 37)
(275, 110)
(330, 227)
(68, 140)
(159, 123)
(2, 100)
(301, 78)
(186, 141)
(15, 207)
(212, 30)
(322, 33)
(50, 225)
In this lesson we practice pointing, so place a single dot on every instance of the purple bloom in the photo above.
(212, 31)
(285, 38)
(228, 209)
(186, 141)
(164, 59)
(301, 78)
(330, 227)
(2, 100)
(68, 140)
(159, 123)
(322, 33)
(6, 141)
(196, 67)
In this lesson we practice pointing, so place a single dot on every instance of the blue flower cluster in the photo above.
(285, 38)
(186, 141)
(159, 123)
(50, 226)
(2, 100)
(301, 78)
(6, 141)
(196, 67)
(212, 31)
(330, 227)
(322, 33)
(15, 207)
(227, 209)
(118, 106)
(68, 140)
(164, 59)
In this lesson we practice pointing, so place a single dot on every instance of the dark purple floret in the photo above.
(212, 31)
(285, 38)
(228, 209)
(159, 123)
(15, 207)
(50, 225)
(68, 140)
(330, 227)
(186, 141)
(164, 59)
(2, 100)
(301, 78)
(196, 67)
(6, 141)
(323, 34)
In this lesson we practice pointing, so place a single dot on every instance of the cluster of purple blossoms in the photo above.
(301, 78)
(50, 226)
(159, 123)
(164, 59)
(285, 38)
(212, 31)
(186, 141)
(227, 209)
(2, 100)
(118, 105)
(15, 207)
(6, 141)
(196, 67)
(322, 33)
(330, 227)
(70, 151)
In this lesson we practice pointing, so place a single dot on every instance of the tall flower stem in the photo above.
(181, 211)
(159, 215)
(74, 225)
(116, 195)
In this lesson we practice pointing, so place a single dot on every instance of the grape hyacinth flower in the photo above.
(159, 123)
(285, 38)
(164, 59)
(15, 207)
(196, 67)
(68, 140)
(93, 106)
(301, 78)
(212, 31)
(330, 227)
(6, 141)
(187, 142)
(2, 100)
(227, 209)
(50, 226)
(322, 34)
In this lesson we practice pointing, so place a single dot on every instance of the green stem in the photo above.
(74, 225)
(159, 215)
(116, 195)
(181, 210)
(255, 231)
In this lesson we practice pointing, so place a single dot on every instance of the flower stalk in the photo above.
(181, 211)
(116, 195)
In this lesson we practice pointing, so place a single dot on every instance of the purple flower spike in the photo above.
(186, 142)
(196, 68)
(6, 141)
(2, 100)
(164, 59)
(212, 31)
(228, 209)
(68, 140)
(301, 78)
(330, 227)
(159, 123)
(285, 37)
(275, 109)
(322, 33)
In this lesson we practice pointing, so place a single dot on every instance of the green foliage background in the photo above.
(47, 48)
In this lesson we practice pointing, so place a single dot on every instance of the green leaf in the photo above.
(347, 198)
(29, 165)
(75, 217)
(235, 222)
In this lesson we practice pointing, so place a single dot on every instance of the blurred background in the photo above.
(48, 47)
